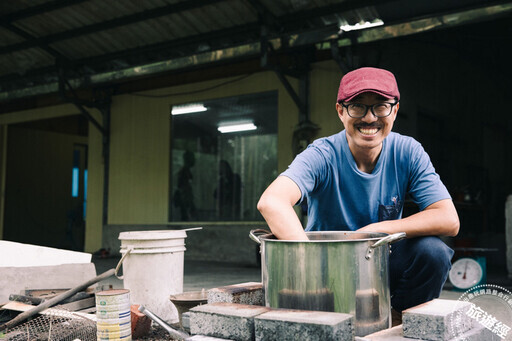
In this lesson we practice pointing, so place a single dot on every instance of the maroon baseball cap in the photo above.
(367, 79)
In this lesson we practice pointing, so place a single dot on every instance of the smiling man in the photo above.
(358, 179)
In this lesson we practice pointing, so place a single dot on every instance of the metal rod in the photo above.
(193, 229)
(179, 335)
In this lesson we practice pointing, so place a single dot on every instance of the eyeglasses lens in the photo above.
(359, 110)
(381, 109)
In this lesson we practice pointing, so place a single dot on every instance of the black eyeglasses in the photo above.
(358, 110)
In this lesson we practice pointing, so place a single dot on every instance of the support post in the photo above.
(105, 110)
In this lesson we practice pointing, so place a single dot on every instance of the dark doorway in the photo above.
(41, 205)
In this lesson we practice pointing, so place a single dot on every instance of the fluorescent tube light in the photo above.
(187, 109)
(231, 128)
(361, 25)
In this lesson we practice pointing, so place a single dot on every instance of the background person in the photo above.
(228, 193)
(184, 196)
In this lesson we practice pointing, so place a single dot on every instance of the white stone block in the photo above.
(14, 254)
(14, 280)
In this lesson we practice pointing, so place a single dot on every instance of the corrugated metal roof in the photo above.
(89, 37)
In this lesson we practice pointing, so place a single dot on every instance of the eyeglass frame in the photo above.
(369, 107)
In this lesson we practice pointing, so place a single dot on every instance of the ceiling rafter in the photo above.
(26, 35)
(345, 6)
(307, 26)
(38, 9)
(241, 29)
(266, 16)
(109, 24)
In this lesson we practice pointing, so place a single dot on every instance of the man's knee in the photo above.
(425, 262)
(433, 253)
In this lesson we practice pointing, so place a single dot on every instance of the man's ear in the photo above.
(339, 109)
(396, 110)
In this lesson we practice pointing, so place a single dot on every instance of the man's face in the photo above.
(366, 134)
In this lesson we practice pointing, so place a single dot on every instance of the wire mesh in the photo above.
(55, 324)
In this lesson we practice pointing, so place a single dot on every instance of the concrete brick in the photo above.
(435, 320)
(225, 320)
(291, 325)
(243, 293)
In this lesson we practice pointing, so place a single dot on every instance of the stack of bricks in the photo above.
(237, 313)
(437, 320)
(245, 322)
(244, 293)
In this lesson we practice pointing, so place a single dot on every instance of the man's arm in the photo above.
(276, 206)
(438, 219)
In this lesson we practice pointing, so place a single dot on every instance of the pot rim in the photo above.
(372, 236)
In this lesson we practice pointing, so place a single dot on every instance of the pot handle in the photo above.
(386, 240)
(254, 237)
(389, 239)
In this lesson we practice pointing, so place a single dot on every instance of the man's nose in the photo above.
(369, 117)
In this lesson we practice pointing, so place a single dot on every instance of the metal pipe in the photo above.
(179, 335)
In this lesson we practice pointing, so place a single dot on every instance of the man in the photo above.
(358, 179)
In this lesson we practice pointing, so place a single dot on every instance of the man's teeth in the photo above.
(368, 131)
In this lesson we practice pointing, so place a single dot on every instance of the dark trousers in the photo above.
(418, 269)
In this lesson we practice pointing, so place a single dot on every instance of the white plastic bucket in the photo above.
(153, 269)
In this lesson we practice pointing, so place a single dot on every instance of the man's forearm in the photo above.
(276, 206)
(282, 220)
(439, 219)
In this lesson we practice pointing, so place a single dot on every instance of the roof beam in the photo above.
(344, 6)
(266, 17)
(191, 41)
(109, 24)
(186, 42)
(26, 35)
(38, 9)
(169, 50)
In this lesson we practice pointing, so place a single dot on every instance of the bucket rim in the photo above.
(152, 235)
(155, 250)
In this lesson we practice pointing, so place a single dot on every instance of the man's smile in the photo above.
(368, 130)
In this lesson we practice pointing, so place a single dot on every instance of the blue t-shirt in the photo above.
(341, 197)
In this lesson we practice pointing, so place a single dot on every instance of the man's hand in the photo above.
(438, 219)
(276, 206)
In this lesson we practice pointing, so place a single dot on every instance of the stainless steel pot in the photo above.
(339, 271)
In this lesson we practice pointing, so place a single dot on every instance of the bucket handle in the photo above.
(386, 240)
(128, 250)
(254, 237)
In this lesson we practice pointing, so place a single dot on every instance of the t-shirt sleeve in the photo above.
(425, 185)
(307, 170)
